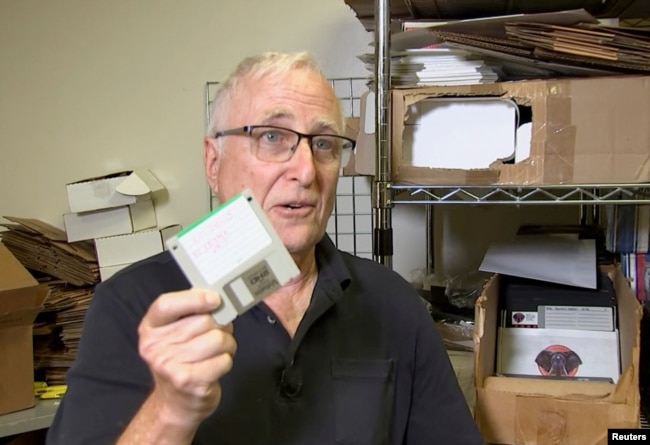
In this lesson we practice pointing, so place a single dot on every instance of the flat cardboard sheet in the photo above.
(547, 258)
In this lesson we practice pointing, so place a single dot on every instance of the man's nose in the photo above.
(304, 148)
(302, 163)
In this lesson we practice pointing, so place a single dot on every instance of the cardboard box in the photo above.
(21, 299)
(584, 131)
(513, 410)
(129, 248)
(113, 190)
(351, 131)
(365, 152)
(109, 222)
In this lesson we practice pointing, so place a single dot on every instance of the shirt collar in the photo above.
(333, 274)
(334, 277)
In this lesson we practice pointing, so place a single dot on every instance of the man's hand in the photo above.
(187, 353)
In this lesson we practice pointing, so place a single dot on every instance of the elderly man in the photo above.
(345, 353)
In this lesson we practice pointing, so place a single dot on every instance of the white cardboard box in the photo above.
(132, 247)
(109, 222)
(106, 272)
(114, 190)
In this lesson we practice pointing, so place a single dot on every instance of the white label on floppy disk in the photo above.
(235, 251)
(225, 240)
(588, 318)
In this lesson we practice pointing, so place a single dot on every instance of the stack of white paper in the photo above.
(436, 66)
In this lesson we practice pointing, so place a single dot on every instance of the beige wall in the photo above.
(89, 87)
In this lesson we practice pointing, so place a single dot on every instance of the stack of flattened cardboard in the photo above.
(565, 43)
(42, 247)
(69, 270)
(57, 330)
(587, 42)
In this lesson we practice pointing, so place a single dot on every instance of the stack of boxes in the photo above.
(117, 211)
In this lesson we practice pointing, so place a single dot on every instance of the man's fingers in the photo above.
(175, 305)
(196, 378)
(209, 344)
(214, 368)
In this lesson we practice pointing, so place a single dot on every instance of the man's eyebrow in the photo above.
(326, 125)
(277, 114)
(322, 125)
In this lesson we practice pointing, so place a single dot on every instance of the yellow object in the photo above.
(39, 388)
(54, 392)
(43, 391)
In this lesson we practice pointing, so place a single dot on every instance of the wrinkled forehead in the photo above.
(284, 97)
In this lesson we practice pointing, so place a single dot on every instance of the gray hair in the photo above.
(260, 66)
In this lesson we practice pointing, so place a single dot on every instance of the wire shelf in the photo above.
(568, 194)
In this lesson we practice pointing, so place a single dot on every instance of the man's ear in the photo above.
(211, 161)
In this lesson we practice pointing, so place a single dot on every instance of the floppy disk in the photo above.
(235, 251)
(533, 303)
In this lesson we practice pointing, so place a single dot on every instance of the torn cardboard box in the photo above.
(113, 190)
(582, 131)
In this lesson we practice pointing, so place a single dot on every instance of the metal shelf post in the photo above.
(383, 231)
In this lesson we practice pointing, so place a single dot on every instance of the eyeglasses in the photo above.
(278, 144)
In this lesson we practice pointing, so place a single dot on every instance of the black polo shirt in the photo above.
(366, 366)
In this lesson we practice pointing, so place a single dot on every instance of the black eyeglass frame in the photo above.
(248, 129)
